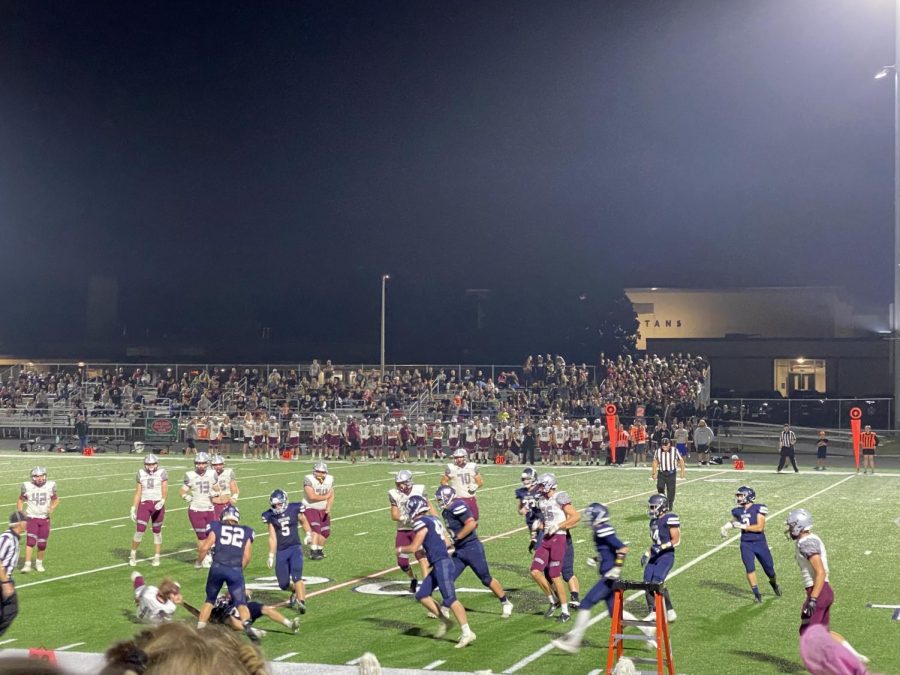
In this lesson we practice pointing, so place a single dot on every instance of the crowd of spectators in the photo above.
(544, 385)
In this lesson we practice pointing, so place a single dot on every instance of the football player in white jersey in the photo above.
(393, 439)
(462, 475)
(376, 440)
(225, 488)
(560, 438)
(155, 604)
(38, 500)
(214, 427)
(544, 431)
(596, 442)
(813, 561)
(149, 506)
(273, 433)
(398, 496)
(558, 515)
(247, 429)
(421, 439)
(437, 440)
(318, 437)
(197, 492)
(259, 436)
(453, 434)
(318, 488)
(485, 438)
(294, 436)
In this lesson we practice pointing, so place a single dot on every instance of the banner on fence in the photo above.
(161, 430)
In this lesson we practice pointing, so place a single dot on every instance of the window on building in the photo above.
(799, 375)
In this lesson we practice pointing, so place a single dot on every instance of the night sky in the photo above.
(244, 165)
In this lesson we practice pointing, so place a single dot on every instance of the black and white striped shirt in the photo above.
(9, 551)
(788, 438)
(667, 459)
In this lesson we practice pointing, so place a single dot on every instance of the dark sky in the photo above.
(237, 165)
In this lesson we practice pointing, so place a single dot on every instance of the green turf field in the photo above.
(84, 597)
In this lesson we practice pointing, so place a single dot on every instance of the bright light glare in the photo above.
(884, 72)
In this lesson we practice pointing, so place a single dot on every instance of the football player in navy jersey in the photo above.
(665, 535)
(611, 553)
(750, 519)
(430, 535)
(233, 544)
(527, 500)
(469, 549)
(285, 550)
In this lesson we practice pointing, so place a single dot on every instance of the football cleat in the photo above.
(295, 625)
(443, 626)
(155, 561)
(507, 610)
(551, 610)
(671, 616)
(207, 561)
(39, 565)
(564, 617)
(567, 643)
(26, 568)
(465, 640)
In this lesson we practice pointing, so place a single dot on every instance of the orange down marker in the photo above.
(855, 417)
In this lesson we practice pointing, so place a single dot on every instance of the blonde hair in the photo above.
(179, 648)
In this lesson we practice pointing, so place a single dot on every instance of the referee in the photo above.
(9, 558)
(788, 439)
(666, 460)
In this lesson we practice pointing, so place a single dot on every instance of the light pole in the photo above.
(384, 278)
(895, 314)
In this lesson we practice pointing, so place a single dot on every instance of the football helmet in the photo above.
(798, 521)
(745, 495)
(598, 421)
(404, 481)
(320, 467)
(421, 419)
(230, 513)
(445, 494)
(596, 514)
(218, 463)
(151, 464)
(529, 476)
(278, 500)
(201, 461)
(657, 505)
(416, 506)
(545, 483)
(39, 475)
(460, 456)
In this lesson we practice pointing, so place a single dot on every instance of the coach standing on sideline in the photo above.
(788, 439)
(666, 460)
(9, 558)
(528, 443)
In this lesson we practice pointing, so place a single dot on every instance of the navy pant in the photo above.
(288, 566)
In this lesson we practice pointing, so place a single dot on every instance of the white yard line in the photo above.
(434, 664)
(534, 656)
(65, 647)
(6, 642)
(285, 657)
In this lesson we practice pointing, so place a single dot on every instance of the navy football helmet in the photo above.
(529, 476)
(596, 514)
(657, 505)
(416, 506)
(445, 494)
(230, 513)
(278, 500)
(745, 495)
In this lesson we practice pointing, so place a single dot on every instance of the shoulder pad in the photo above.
(562, 498)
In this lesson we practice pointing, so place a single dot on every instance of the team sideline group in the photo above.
(438, 536)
